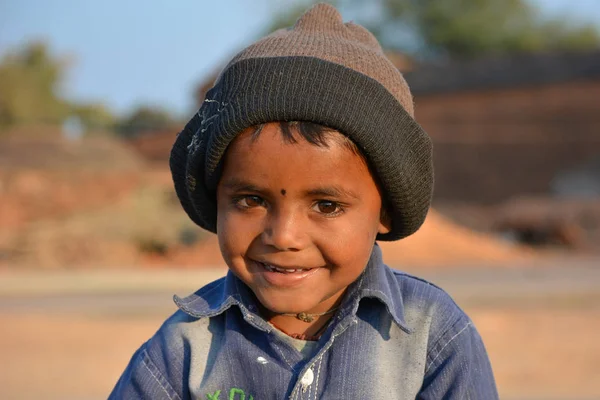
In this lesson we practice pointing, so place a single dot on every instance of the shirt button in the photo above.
(308, 378)
(262, 360)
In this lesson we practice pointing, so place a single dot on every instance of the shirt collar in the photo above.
(377, 281)
(220, 295)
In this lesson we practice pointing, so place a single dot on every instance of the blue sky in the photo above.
(133, 52)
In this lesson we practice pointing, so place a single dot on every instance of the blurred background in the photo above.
(93, 242)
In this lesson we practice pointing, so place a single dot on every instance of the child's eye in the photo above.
(250, 201)
(329, 208)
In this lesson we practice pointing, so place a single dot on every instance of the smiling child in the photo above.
(304, 154)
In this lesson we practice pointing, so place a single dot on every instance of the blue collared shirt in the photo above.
(395, 336)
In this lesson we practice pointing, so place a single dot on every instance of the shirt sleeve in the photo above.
(143, 380)
(458, 366)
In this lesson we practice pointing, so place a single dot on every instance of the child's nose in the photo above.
(284, 231)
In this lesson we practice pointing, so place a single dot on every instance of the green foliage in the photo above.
(94, 115)
(143, 120)
(29, 79)
(468, 28)
(458, 28)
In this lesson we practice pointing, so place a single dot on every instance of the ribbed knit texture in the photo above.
(322, 33)
(323, 71)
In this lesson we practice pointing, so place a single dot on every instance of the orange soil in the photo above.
(440, 241)
(30, 195)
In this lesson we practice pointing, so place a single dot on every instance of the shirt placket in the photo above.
(310, 380)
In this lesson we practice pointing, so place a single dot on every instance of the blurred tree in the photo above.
(29, 79)
(94, 116)
(145, 119)
(457, 28)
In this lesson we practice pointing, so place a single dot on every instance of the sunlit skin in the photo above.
(296, 205)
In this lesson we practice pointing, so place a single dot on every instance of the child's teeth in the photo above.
(273, 268)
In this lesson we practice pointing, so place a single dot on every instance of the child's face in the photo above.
(296, 206)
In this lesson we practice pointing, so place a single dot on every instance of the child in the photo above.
(308, 309)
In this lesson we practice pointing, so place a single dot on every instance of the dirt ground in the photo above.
(536, 353)
(58, 219)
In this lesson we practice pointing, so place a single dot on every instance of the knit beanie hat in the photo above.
(327, 72)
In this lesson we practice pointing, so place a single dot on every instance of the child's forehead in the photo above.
(291, 133)
(270, 163)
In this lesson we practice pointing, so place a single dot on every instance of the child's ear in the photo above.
(385, 222)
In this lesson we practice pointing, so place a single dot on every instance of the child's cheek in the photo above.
(237, 230)
(350, 246)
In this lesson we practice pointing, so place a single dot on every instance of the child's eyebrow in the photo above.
(324, 191)
(332, 191)
(241, 186)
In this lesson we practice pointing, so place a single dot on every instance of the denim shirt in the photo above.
(395, 336)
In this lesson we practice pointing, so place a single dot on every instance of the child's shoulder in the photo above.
(413, 287)
(191, 321)
(206, 301)
(194, 311)
(170, 345)
(425, 303)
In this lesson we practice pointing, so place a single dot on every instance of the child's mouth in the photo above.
(285, 277)
(272, 268)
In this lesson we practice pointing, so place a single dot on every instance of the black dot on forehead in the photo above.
(283, 192)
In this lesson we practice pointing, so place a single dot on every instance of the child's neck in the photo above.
(308, 326)
(299, 329)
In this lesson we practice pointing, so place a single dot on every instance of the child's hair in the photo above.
(329, 73)
(315, 134)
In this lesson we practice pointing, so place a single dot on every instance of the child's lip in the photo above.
(278, 268)
(284, 276)
(282, 268)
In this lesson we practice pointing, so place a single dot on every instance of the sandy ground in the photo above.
(542, 351)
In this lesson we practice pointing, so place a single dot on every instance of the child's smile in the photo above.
(296, 221)
(286, 276)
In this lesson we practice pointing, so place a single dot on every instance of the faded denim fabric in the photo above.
(394, 337)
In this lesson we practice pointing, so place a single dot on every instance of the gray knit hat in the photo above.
(324, 71)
